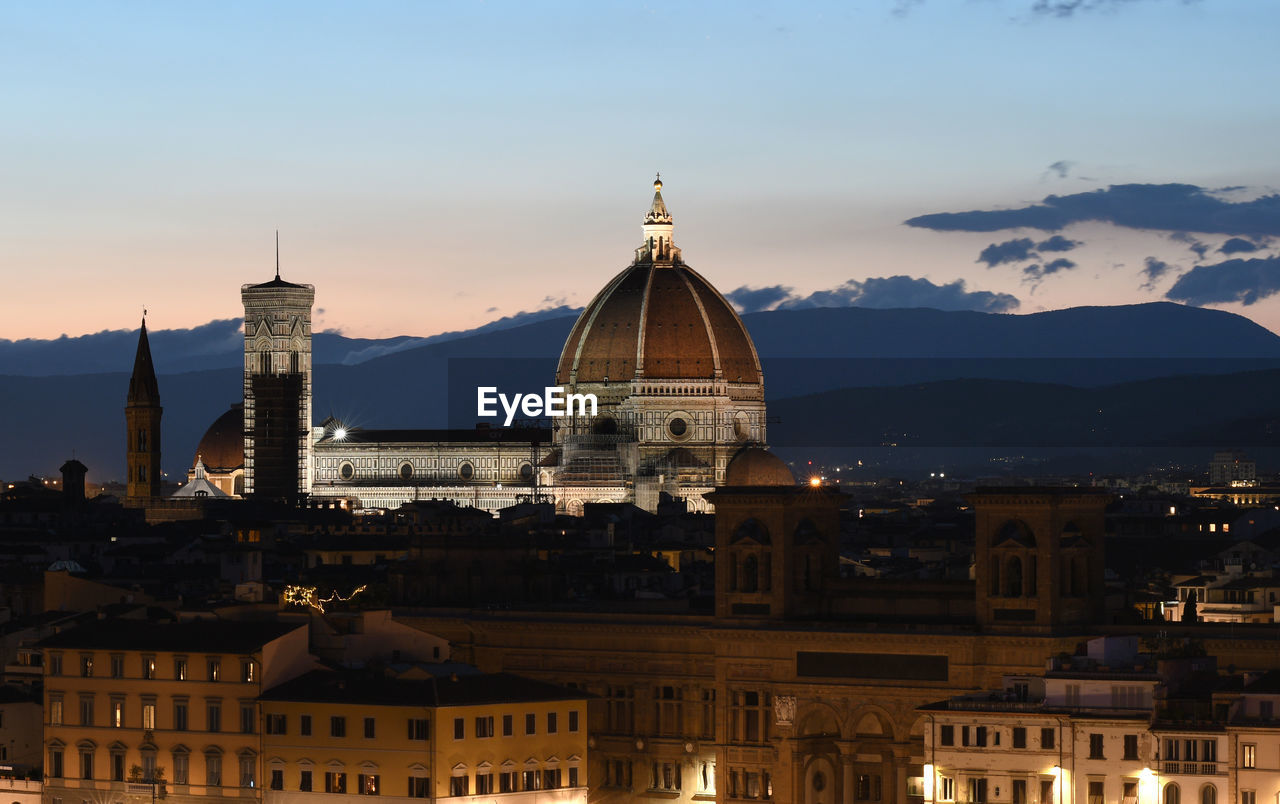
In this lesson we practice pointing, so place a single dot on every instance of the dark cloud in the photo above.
(1057, 243)
(749, 300)
(1022, 248)
(878, 292)
(1169, 207)
(1153, 270)
(1037, 272)
(1199, 248)
(1238, 245)
(1069, 8)
(1245, 281)
(1062, 167)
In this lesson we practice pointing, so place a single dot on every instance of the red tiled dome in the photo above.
(754, 466)
(222, 447)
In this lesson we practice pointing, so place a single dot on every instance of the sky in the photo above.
(434, 166)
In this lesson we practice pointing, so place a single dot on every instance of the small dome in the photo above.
(222, 447)
(754, 466)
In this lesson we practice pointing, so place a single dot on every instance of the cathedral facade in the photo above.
(676, 375)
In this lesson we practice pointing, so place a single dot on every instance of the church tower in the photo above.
(142, 425)
(277, 389)
(1039, 557)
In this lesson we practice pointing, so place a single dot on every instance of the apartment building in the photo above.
(136, 709)
(406, 734)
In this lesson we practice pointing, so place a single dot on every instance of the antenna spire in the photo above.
(277, 253)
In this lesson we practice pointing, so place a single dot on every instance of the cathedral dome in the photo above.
(754, 466)
(658, 320)
(222, 447)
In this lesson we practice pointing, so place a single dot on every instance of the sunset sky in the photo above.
(433, 166)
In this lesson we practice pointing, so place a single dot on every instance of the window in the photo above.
(1046, 791)
(1096, 792)
(335, 782)
(1248, 797)
(573, 777)
(55, 664)
(181, 768)
(484, 726)
(213, 716)
(277, 778)
(1019, 791)
(1129, 792)
(946, 788)
(530, 724)
(1073, 694)
(213, 770)
(419, 787)
(508, 727)
(149, 667)
(247, 717)
(980, 736)
(370, 728)
(248, 771)
(116, 720)
(1131, 746)
(86, 763)
(1209, 750)
(529, 780)
(86, 665)
(1095, 747)
(668, 702)
(180, 668)
(86, 710)
(507, 782)
(459, 786)
(749, 717)
(867, 787)
(149, 716)
(947, 735)
(617, 773)
(1172, 794)
(551, 778)
(180, 715)
(337, 726)
(1046, 738)
(1019, 737)
(368, 784)
(55, 763)
(573, 720)
(304, 725)
(215, 669)
(1248, 756)
(248, 674)
(55, 710)
(1266, 709)
(419, 728)
(277, 724)
(665, 776)
(621, 709)
(978, 791)
(1208, 794)
(304, 781)
(551, 723)
(484, 784)
(117, 666)
(708, 730)
(459, 728)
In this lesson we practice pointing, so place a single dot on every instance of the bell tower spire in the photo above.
(658, 244)
(142, 424)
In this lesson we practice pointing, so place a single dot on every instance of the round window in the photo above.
(526, 471)
(406, 471)
(605, 425)
(346, 471)
(466, 471)
(677, 427)
(742, 427)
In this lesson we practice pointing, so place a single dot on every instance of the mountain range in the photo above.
(67, 395)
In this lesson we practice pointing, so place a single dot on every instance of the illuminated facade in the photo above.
(413, 737)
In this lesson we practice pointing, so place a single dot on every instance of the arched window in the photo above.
(1208, 794)
(1171, 794)
(1013, 577)
(750, 574)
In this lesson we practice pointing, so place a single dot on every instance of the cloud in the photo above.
(1057, 243)
(1068, 8)
(1062, 167)
(1035, 273)
(878, 292)
(1153, 270)
(1244, 281)
(1169, 207)
(1022, 248)
(1238, 245)
(1192, 243)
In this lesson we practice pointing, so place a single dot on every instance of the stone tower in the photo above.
(142, 425)
(777, 544)
(1039, 557)
(277, 389)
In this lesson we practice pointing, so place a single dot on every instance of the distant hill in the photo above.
(406, 383)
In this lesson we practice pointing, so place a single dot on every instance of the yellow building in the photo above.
(486, 737)
(135, 710)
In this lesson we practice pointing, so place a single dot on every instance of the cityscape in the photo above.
(694, 519)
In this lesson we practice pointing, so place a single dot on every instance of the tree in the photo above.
(1189, 614)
